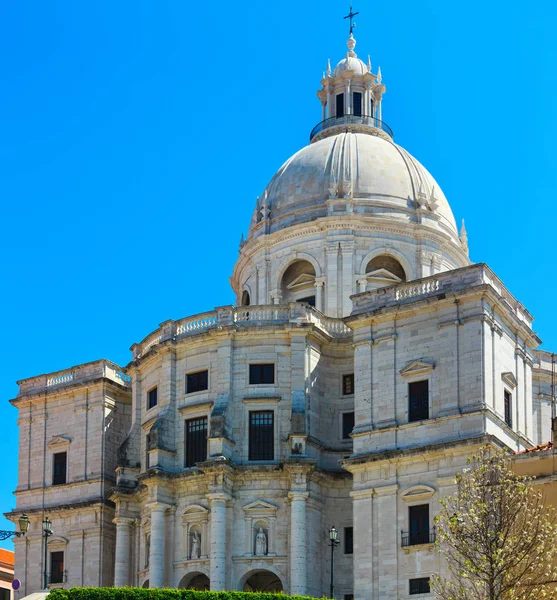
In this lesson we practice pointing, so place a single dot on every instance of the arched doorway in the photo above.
(195, 581)
(298, 283)
(145, 584)
(263, 581)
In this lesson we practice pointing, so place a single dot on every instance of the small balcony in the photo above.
(358, 123)
(418, 538)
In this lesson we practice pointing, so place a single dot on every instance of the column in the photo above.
(218, 541)
(347, 99)
(323, 110)
(298, 543)
(122, 563)
(347, 278)
(362, 284)
(362, 509)
(156, 554)
(319, 284)
(331, 251)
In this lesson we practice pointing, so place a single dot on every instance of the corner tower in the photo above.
(350, 212)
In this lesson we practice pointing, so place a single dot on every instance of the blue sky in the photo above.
(136, 136)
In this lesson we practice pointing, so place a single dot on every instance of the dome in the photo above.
(378, 178)
(355, 65)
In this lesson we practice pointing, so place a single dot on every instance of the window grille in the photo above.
(196, 441)
(418, 401)
(419, 533)
(348, 384)
(508, 409)
(261, 435)
(419, 586)
(152, 398)
(197, 382)
(261, 373)
(57, 567)
(60, 468)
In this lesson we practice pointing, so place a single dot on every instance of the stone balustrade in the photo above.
(87, 372)
(449, 281)
(243, 316)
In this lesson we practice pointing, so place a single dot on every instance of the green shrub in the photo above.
(129, 593)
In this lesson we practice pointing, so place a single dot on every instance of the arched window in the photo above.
(384, 270)
(298, 283)
(245, 298)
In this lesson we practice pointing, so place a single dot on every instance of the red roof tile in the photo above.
(7, 556)
(539, 448)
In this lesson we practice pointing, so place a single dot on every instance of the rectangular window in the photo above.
(196, 441)
(348, 596)
(259, 374)
(347, 424)
(357, 99)
(340, 105)
(508, 409)
(261, 435)
(56, 567)
(419, 525)
(348, 384)
(197, 382)
(348, 540)
(60, 467)
(152, 397)
(419, 586)
(418, 401)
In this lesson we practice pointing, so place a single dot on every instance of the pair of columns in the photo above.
(217, 544)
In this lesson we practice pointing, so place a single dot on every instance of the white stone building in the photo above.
(365, 360)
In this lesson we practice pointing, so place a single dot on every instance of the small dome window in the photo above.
(298, 283)
(245, 298)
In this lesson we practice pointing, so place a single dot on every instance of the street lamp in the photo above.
(23, 527)
(47, 531)
(333, 534)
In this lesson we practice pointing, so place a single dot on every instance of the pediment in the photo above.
(260, 506)
(58, 540)
(383, 275)
(418, 493)
(195, 509)
(509, 379)
(417, 367)
(59, 440)
(302, 281)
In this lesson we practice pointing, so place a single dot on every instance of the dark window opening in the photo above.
(347, 424)
(245, 298)
(259, 374)
(418, 405)
(196, 441)
(348, 540)
(309, 300)
(340, 105)
(508, 409)
(419, 586)
(357, 108)
(197, 382)
(418, 517)
(60, 468)
(348, 384)
(56, 567)
(152, 398)
(348, 596)
(261, 435)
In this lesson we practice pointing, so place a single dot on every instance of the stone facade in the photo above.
(366, 360)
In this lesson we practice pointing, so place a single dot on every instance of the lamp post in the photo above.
(47, 531)
(23, 527)
(333, 534)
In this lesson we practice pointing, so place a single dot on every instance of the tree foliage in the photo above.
(130, 593)
(496, 534)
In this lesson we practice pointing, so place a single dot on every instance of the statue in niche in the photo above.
(195, 544)
(260, 543)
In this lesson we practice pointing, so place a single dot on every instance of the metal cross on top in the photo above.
(351, 16)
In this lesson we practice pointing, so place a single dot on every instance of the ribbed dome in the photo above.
(355, 65)
(379, 178)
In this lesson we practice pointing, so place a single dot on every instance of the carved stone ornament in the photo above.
(195, 544)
